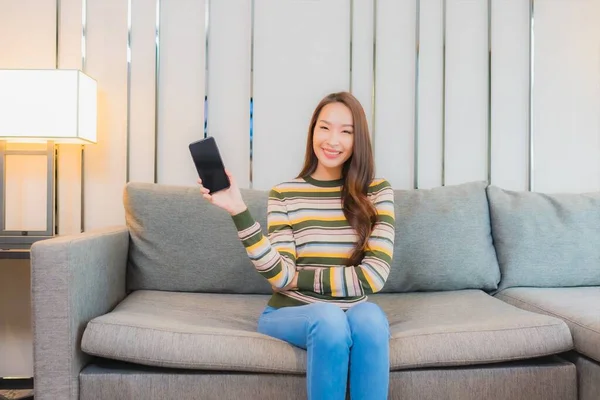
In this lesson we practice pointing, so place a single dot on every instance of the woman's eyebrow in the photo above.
(329, 123)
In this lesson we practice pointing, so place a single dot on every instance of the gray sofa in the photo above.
(493, 294)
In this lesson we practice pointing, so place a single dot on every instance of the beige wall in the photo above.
(425, 88)
(16, 351)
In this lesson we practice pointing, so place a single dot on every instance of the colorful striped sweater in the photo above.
(308, 233)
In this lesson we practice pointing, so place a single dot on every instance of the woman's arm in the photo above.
(273, 257)
(371, 274)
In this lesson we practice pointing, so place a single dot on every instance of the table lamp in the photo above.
(41, 106)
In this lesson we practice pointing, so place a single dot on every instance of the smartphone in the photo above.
(209, 164)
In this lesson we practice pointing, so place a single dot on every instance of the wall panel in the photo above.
(105, 161)
(229, 79)
(566, 96)
(395, 92)
(430, 94)
(510, 94)
(181, 89)
(363, 36)
(27, 34)
(69, 160)
(27, 40)
(466, 135)
(301, 53)
(142, 87)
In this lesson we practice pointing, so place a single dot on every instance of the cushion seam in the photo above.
(479, 331)
(267, 338)
(176, 363)
(479, 361)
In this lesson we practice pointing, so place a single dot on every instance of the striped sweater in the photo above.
(308, 233)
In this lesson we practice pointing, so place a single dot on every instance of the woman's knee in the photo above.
(368, 320)
(329, 323)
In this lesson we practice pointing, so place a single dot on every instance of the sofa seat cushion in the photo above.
(190, 330)
(578, 307)
(218, 332)
(466, 328)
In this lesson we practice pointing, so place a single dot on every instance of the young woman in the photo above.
(330, 243)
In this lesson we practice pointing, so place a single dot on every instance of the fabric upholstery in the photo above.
(443, 240)
(180, 242)
(588, 376)
(218, 332)
(466, 328)
(578, 307)
(545, 240)
(74, 279)
(547, 379)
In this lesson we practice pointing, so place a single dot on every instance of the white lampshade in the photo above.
(52, 104)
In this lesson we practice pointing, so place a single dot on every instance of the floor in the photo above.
(16, 394)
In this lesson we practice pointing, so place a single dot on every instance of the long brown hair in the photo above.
(357, 172)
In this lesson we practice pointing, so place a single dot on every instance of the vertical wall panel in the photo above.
(362, 54)
(105, 162)
(27, 34)
(301, 52)
(510, 94)
(466, 138)
(395, 92)
(566, 96)
(230, 33)
(181, 89)
(27, 40)
(69, 155)
(142, 90)
(430, 96)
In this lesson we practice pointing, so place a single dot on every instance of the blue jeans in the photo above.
(336, 341)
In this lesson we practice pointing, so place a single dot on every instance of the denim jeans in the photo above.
(337, 342)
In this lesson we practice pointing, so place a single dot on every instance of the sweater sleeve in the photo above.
(371, 274)
(274, 256)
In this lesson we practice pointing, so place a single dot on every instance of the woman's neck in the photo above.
(327, 174)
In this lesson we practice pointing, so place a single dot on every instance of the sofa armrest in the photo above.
(74, 279)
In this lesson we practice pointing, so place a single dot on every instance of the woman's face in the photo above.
(333, 139)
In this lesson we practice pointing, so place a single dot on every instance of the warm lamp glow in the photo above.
(42, 105)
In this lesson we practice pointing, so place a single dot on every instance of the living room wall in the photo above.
(455, 91)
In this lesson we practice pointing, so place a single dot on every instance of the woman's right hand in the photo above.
(229, 199)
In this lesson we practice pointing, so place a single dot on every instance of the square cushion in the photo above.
(180, 242)
(578, 307)
(443, 240)
(218, 332)
(546, 240)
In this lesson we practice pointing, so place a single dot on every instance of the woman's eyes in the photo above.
(326, 129)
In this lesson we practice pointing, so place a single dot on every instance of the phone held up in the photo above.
(209, 164)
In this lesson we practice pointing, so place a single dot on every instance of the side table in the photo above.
(20, 383)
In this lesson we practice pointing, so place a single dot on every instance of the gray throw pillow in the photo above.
(546, 240)
(443, 240)
(180, 242)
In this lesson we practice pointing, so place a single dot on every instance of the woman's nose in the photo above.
(333, 138)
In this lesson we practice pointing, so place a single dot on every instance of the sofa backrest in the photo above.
(546, 240)
(179, 242)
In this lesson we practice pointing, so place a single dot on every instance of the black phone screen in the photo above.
(209, 164)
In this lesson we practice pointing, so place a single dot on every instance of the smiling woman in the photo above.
(330, 244)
